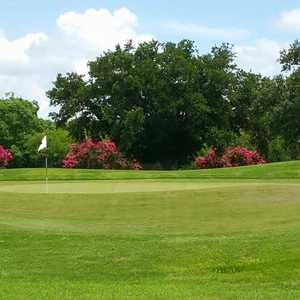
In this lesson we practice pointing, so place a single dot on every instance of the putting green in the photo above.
(123, 186)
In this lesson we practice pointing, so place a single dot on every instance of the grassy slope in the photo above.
(237, 242)
(288, 170)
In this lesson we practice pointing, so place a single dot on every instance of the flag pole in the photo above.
(42, 146)
(46, 164)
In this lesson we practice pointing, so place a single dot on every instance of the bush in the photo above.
(98, 155)
(209, 161)
(5, 157)
(221, 138)
(239, 156)
(58, 146)
(278, 151)
(18, 156)
(244, 139)
(231, 157)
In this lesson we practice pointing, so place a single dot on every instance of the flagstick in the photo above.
(46, 163)
(42, 146)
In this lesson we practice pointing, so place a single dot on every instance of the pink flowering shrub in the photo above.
(231, 157)
(5, 157)
(98, 155)
(207, 162)
(135, 165)
(239, 156)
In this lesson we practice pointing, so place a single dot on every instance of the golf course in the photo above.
(197, 234)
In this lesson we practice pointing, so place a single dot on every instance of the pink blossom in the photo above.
(98, 154)
(231, 157)
(5, 157)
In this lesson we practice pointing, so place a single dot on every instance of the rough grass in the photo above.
(225, 238)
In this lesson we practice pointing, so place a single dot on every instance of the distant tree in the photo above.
(286, 119)
(255, 100)
(290, 58)
(157, 101)
(18, 119)
(163, 102)
(58, 140)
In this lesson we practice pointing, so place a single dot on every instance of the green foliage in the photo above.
(278, 151)
(18, 118)
(18, 121)
(256, 100)
(286, 117)
(162, 102)
(243, 139)
(19, 158)
(203, 151)
(132, 130)
(220, 139)
(290, 58)
(58, 146)
(156, 101)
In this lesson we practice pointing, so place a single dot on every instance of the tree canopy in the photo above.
(163, 102)
(159, 102)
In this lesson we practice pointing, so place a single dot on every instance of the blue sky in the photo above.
(17, 17)
(40, 38)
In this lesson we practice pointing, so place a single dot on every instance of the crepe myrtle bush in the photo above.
(5, 157)
(98, 155)
(231, 157)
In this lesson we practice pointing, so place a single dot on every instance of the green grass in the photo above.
(217, 234)
(289, 170)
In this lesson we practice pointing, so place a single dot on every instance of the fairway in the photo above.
(186, 235)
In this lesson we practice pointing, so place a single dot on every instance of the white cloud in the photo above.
(17, 73)
(16, 51)
(101, 29)
(30, 63)
(28, 87)
(262, 57)
(290, 21)
(80, 66)
(207, 32)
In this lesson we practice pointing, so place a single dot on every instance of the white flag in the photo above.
(43, 145)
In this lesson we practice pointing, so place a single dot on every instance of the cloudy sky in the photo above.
(39, 39)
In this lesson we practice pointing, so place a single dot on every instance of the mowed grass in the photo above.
(168, 235)
(288, 170)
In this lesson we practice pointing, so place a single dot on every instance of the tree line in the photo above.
(162, 103)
